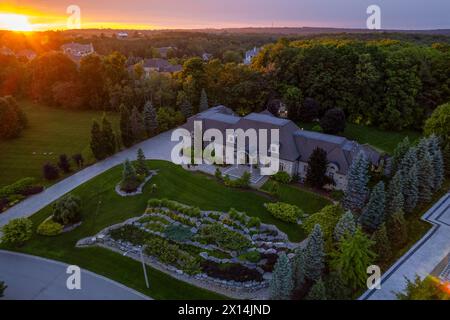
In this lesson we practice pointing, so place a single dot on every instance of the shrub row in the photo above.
(25, 187)
(224, 238)
(284, 211)
(175, 206)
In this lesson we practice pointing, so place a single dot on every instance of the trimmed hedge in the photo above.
(49, 228)
(284, 211)
(282, 177)
(20, 187)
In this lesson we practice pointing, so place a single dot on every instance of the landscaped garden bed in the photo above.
(230, 250)
(13, 194)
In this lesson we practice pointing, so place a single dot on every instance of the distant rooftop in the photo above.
(266, 119)
(320, 136)
(230, 119)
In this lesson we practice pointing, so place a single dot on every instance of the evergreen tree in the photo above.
(399, 152)
(336, 287)
(141, 166)
(437, 161)
(97, 145)
(409, 171)
(394, 198)
(446, 158)
(314, 254)
(358, 178)
(109, 138)
(150, 119)
(281, 284)
(64, 163)
(373, 214)
(184, 104)
(130, 180)
(397, 229)
(425, 178)
(345, 225)
(299, 267)
(137, 125)
(125, 127)
(317, 291)
(382, 245)
(353, 257)
(203, 101)
(316, 175)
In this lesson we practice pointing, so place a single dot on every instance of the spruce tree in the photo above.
(137, 125)
(318, 291)
(409, 171)
(397, 229)
(141, 166)
(97, 146)
(437, 161)
(298, 267)
(203, 101)
(382, 246)
(125, 127)
(446, 158)
(109, 138)
(150, 119)
(394, 198)
(336, 287)
(281, 284)
(184, 104)
(352, 258)
(399, 152)
(316, 174)
(425, 178)
(314, 254)
(358, 178)
(346, 225)
(373, 214)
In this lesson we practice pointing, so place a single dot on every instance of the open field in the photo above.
(50, 132)
(102, 207)
(383, 140)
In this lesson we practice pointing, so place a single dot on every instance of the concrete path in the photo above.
(158, 147)
(422, 258)
(34, 278)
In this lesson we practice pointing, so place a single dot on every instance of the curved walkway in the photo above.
(158, 147)
(422, 258)
(33, 278)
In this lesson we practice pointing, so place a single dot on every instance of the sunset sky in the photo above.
(155, 14)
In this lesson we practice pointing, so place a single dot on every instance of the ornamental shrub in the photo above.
(49, 228)
(67, 210)
(284, 211)
(17, 231)
(282, 177)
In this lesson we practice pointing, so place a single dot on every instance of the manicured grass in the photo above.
(50, 130)
(309, 202)
(383, 140)
(102, 207)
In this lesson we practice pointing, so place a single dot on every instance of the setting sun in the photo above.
(14, 22)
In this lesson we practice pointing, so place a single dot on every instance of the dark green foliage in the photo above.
(394, 198)
(141, 165)
(126, 132)
(373, 214)
(130, 181)
(397, 229)
(317, 291)
(316, 175)
(150, 119)
(103, 139)
(78, 159)
(299, 267)
(333, 121)
(399, 152)
(336, 287)
(64, 163)
(358, 179)
(203, 101)
(423, 289)
(17, 231)
(281, 284)
(446, 158)
(382, 246)
(137, 125)
(108, 137)
(224, 238)
(67, 210)
(439, 123)
(346, 225)
(12, 119)
(314, 254)
(309, 110)
(282, 177)
(178, 233)
(3, 287)
(50, 171)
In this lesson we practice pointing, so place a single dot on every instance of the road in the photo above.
(34, 278)
(158, 147)
(422, 258)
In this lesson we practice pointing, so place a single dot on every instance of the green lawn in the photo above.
(102, 207)
(383, 140)
(50, 130)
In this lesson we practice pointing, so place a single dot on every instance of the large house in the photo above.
(249, 55)
(77, 51)
(295, 146)
(160, 65)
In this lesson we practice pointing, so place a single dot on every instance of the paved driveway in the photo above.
(422, 258)
(158, 147)
(34, 278)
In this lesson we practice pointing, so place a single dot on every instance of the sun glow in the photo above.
(14, 22)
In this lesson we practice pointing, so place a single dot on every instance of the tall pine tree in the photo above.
(314, 254)
(382, 245)
(399, 152)
(125, 127)
(109, 138)
(437, 161)
(281, 284)
(397, 229)
(346, 225)
(97, 145)
(358, 178)
(316, 174)
(409, 171)
(318, 291)
(137, 125)
(298, 266)
(141, 166)
(373, 214)
(394, 198)
(425, 178)
(150, 119)
(203, 101)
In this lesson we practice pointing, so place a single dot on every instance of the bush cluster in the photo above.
(175, 206)
(224, 238)
(282, 177)
(284, 211)
(67, 210)
(49, 228)
(242, 182)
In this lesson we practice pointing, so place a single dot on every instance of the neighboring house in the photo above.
(207, 56)
(295, 145)
(77, 51)
(249, 55)
(160, 65)
(5, 51)
(122, 35)
(164, 51)
(27, 54)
